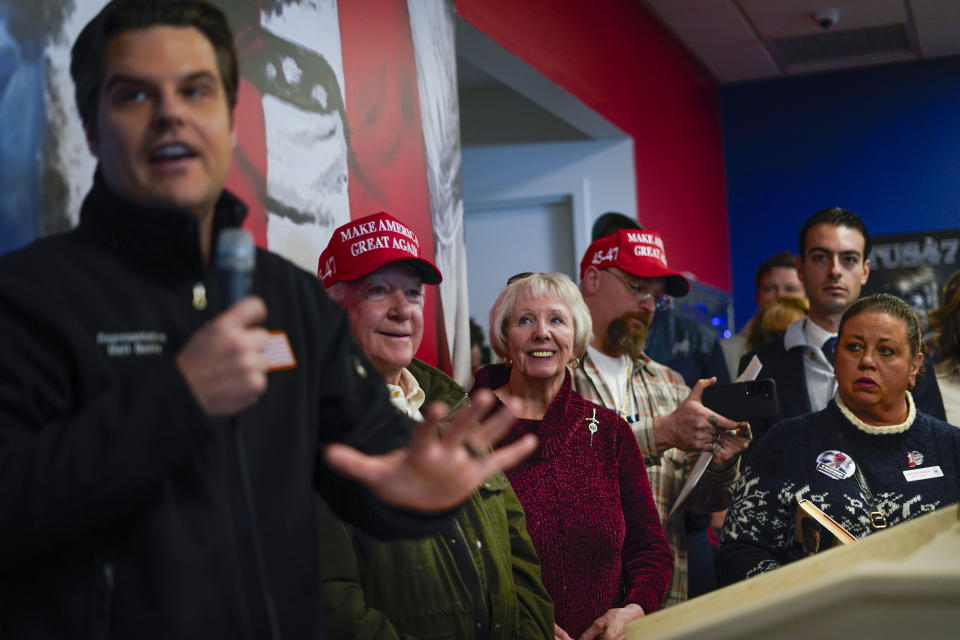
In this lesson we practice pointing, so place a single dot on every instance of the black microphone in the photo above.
(236, 257)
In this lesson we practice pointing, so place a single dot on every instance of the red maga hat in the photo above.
(362, 246)
(637, 252)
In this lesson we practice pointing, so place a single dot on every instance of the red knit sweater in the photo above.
(589, 509)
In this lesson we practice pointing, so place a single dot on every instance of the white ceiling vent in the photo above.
(836, 49)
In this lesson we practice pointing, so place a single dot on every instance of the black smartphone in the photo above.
(750, 400)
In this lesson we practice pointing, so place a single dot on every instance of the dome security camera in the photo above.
(826, 18)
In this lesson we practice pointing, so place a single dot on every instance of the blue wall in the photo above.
(883, 142)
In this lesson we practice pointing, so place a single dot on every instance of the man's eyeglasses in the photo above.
(660, 300)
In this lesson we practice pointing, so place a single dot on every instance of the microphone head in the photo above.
(236, 258)
(235, 251)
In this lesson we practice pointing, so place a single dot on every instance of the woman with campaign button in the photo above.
(869, 460)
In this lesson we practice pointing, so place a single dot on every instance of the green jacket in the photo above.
(479, 578)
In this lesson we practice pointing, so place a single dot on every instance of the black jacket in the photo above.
(686, 346)
(122, 509)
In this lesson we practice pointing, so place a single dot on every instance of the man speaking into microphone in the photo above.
(159, 448)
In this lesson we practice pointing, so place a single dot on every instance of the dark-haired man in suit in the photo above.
(833, 265)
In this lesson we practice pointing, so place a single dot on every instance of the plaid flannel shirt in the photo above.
(657, 390)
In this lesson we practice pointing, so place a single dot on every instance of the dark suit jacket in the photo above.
(786, 369)
(686, 346)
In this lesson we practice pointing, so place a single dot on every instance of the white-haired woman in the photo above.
(590, 513)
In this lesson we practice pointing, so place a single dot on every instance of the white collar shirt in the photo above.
(817, 370)
(407, 397)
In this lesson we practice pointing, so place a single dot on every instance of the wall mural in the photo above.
(914, 267)
(344, 109)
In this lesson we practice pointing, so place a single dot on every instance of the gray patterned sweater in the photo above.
(911, 471)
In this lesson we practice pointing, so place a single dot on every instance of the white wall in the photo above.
(593, 176)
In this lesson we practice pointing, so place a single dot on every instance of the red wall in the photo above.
(389, 167)
(616, 59)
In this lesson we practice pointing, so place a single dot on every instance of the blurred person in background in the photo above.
(945, 321)
(479, 351)
(774, 317)
(775, 277)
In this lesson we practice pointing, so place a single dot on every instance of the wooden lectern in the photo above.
(898, 584)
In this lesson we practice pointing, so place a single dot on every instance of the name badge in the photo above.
(912, 475)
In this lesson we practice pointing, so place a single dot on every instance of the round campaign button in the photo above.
(836, 464)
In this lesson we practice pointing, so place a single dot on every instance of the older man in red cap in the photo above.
(624, 277)
(480, 578)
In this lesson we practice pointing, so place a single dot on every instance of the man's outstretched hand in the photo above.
(691, 426)
(438, 470)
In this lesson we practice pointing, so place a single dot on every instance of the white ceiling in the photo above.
(743, 40)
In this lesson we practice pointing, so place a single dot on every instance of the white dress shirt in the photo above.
(821, 385)
(407, 397)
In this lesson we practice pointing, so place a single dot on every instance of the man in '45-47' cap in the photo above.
(637, 252)
(624, 278)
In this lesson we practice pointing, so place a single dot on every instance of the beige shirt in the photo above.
(407, 397)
